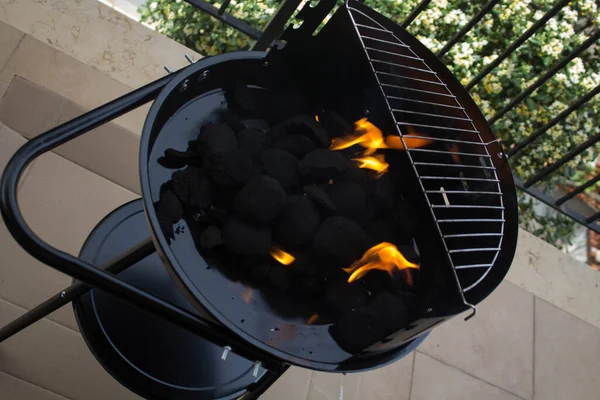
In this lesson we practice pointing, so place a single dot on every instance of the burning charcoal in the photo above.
(282, 166)
(358, 329)
(340, 240)
(319, 196)
(405, 218)
(261, 271)
(380, 230)
(243, 239)
(321, 165)
(215, 139)
(349, 199)
(383, 194)
(175, 159)
(392, 311)
(170, 206)
(211, 237)
(228, 169)
(260, 200)
(297, 223)
(241, 97)
(345, 297)
(335, 124)
(192, 187)
(298, 145)
(280, 278)
(251, 141)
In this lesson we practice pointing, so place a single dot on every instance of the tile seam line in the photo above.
(472, 376)
(23, 35)
(36, 385)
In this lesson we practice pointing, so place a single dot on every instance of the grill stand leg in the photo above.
(263, 384)
(119, 264)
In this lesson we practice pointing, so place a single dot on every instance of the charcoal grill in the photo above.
(459, 182)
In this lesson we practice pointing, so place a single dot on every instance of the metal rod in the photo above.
(226, 18)
(465, 29)
(577, 190)
(562, 161)
(544, 78)
(415, 13)
(520, 40)
(223, 7)
(116, 265)
(554, 121)
(277, 24)
(257, 389)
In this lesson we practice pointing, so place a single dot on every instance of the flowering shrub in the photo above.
(498, 29)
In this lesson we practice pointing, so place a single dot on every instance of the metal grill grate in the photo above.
(455, 170)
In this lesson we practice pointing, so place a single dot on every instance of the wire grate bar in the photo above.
(425, 102)
(411, 79)
(467, 206)
(462, 235)
(396, 110)
(374, 28)
(426, 71)
(384, 41)
(464, 192)
(438, 139)
(467, 266)
(394, 54)
(442, 128)
(457, 178)
(471, 220)
(458, 153)
(474, 250)
(452, 165)
(416, 90)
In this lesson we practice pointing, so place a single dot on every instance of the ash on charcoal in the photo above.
(335, 124)
(298, 145)
(392, 310)
(319, 196)
(281, 165)
(321, 165)
(348, 197)
(228, 169)
(405, 218)
(383, 194)
(280, 278)
(260, 200)
(192, 187)
(170, 206)
(215, 139)
(211, 237)
(340, 240)
(175, 159)
(251, 141)
(358, 329)
(261, 272)
(297, 223)
(245, 239)
(345, 297)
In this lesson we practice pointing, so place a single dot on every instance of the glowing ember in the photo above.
(384, 256)
(317, 118)
(312, 319)
(281, 256)
(376, 163)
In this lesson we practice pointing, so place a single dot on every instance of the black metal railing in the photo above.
(287, 8)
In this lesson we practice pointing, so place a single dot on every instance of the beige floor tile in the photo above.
(326, 386)
(57, 359)
(12, 388)
(496, 345)
(80, 83)
(434, 380)
(9, 39)
(293, 385)
(391, 382)
(567, 355)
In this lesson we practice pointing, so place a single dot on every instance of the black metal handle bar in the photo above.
(84, 271)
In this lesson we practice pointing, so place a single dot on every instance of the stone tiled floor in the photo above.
(518, 347)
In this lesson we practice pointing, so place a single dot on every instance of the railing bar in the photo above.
(556, 120)
(577, 190)
(440, 139)
(467, 266)
(471, 220)
(465, 29)
(404, 66)
(431, 115)
(565, 159)
(425, 102)
(452, 165)
(544, 78)
(409, 78)
(223, 7)
(451, 152)
(464, 192)
(417, 90)
(459, 235)
(474, 250)
(593, 217)
(457, 178)
(415, 13)
(226, 18)
(442, 128)
(520, 40)
(384, 41)
(394, 54)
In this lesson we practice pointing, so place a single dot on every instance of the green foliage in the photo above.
(435, 26)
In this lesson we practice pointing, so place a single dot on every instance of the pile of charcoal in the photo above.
(251, 192)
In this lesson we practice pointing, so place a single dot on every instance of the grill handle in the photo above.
(85, 272)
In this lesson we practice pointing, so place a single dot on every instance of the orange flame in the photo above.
(376, 163)
(281, 256)
(394, 142)
(369, 137)
(384, 256)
